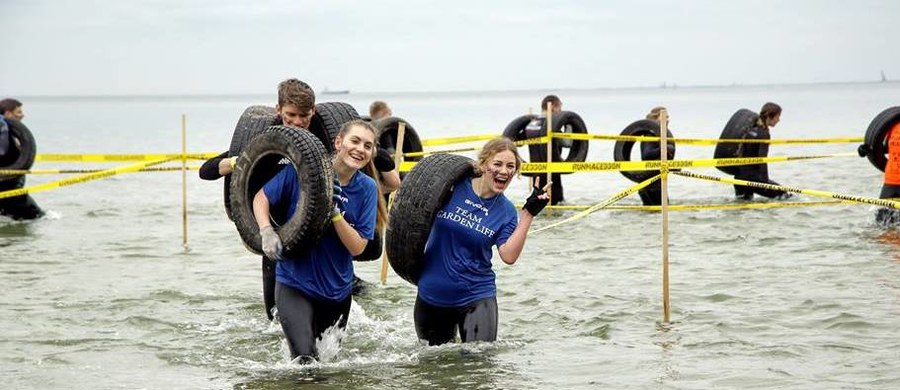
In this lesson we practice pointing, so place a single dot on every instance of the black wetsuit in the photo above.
(755, 172)
(438, 325)
(538, 153)
(20, 207)
(651, 195)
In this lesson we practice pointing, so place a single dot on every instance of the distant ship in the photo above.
(327, 91)
(883, 78)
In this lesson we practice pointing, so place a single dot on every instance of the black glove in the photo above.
(383, 161)
(863, 150)
(336, 212)
(534, 204)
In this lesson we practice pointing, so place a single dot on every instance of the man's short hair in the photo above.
(376, 108)
(296, 93)
(552, 99)
(9, 104)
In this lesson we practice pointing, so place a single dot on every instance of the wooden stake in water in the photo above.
(398, 159)
(184, 242)
(664, 183)
(549, 146)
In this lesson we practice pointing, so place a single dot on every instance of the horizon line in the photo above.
(664, 85)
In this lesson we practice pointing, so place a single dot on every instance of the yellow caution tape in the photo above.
(457, 140)
(17, 172)
(600, 166)
(531, 141)
(61, 157)
(613, 199)
(80, 179)
(823, 194)
(687, 207)
(703, 141)
(635, 138)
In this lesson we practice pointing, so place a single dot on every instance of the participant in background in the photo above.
(769, 116)
(651, 195)
(295, 108)
(21, 207)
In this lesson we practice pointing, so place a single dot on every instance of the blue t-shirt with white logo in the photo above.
(325, 272)
(457, 269)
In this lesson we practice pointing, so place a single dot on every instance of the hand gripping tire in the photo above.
(254, 120)
(329, 118)
(259, 163)
(425, 190)
(741, 121)
(877, 136)
(622, 149)
(387, 129)
(21, 157)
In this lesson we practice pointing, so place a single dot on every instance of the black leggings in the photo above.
(438, 325)
(304, 319)
(268, 276)
(18, 207)
(886, 215)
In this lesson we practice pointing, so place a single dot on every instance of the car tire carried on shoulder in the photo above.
(622, 149)
(425, 190)
(736, 128)
(21, 156)
(254, 120)
(328, 120)
(877, 136)
(387, 131)
(259, 162)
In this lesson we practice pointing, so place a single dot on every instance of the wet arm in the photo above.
(348, 236)
(512, 248)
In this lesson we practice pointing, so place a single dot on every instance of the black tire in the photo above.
(373, 252)
(329, 118)
(741, 121)
(387, 137)
(622, 149)
(254, 120)
(18, 157)
(260, 162)
(876, 136)
(515, 130)
(424, 191)
(569, 122)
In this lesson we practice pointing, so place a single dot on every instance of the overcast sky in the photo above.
(92, 47)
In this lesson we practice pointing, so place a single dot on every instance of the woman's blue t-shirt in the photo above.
(325, 272)
(457, 269)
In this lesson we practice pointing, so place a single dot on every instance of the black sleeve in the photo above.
(383, 161)
(210, 169)
(373, 249)
(4, 138)
(649, 151)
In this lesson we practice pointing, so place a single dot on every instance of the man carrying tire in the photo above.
(296, 107)
(14, 146)
(538, 153)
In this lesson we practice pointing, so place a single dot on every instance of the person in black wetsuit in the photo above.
(538, 153)
(769, 116)
(296, 107)
(651, 195)
(22, 207)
